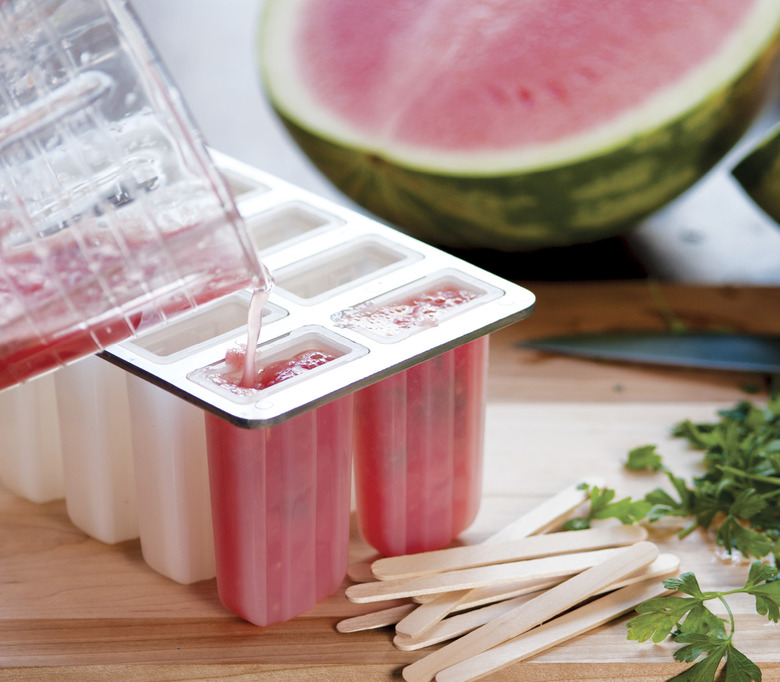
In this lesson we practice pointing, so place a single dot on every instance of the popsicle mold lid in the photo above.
(378, 300)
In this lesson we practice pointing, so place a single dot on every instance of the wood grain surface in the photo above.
(72, 608)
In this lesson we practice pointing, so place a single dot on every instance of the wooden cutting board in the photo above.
(72, 608)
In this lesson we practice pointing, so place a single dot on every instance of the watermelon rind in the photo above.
(758, 172)
(581, 189)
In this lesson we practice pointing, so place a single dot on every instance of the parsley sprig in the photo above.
(739, 493)
(740, 489)
(690, 623)
(739, 497)
(603, 506)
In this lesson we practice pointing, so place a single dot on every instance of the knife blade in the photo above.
(710, 350)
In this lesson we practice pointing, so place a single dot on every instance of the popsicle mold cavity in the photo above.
(397, 315)
(279, 363)
(95, 433)
(241, 187)
(172, 485)
(286, 223)
(30, 449)
(210, 325)
(419, 437)
(346, 266)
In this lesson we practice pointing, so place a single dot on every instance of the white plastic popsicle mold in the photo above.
(327, 260)
(30, 450)
(172, 483)
(97, 456)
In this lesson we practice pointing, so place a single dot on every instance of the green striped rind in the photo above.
(759, 174)
(597, 197)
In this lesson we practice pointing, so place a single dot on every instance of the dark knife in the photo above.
(712, 350)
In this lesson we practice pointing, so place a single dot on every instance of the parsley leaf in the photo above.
(738, 496)
(703, 634)
(697, 644)
(643, 458)
(658, 618)
(739, 493)
(764, 584)
(739, 667)
(686, 583)
(732, 535)
(626, 510)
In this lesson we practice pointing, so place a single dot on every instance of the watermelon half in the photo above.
(516, 124)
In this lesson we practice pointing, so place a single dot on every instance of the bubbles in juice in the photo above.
(236, 379)
(416, 311)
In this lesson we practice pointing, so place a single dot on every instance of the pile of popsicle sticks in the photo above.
(521, 591)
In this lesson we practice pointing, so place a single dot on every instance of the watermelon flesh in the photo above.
(517, 124)
(530, 72)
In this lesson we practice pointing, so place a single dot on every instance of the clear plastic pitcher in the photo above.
(112, 215)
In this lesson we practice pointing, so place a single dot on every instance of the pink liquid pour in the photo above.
(254, 326)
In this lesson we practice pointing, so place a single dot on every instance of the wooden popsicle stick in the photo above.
(455, 626)
(425, 598)
(547, 605)
(665, 563)
(426, 616)
(665, 566)
(375, 619)
(544, 516)
(554, 632)
(530, 570)
(533, 547)
(547, 514)
(488, 594)
(539, 519)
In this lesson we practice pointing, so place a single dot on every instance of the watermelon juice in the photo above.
(419, 433)
(280, 501)
(418, 452)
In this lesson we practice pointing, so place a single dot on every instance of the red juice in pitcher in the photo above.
(280, 498)
(59, 304)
